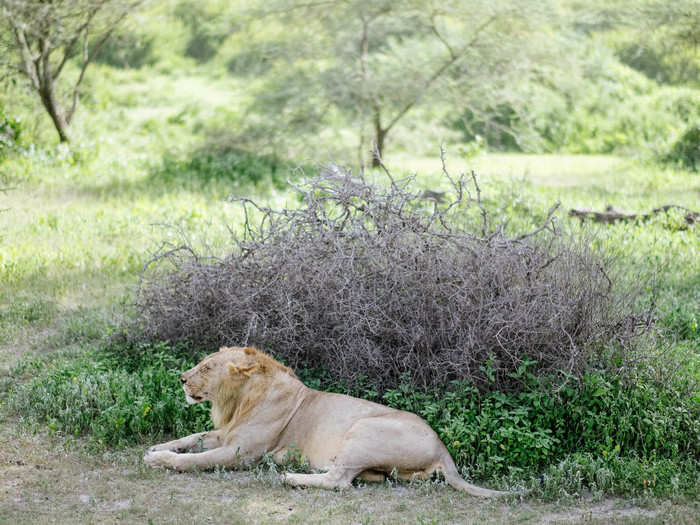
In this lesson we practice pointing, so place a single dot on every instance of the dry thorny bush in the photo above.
(377, 283)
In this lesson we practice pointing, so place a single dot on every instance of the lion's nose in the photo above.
(183, 380)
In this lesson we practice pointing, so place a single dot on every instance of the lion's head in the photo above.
(219, 375)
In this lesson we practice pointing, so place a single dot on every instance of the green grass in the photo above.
(82, 220)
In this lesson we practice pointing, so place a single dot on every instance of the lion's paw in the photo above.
(157, 448)
(159, 458)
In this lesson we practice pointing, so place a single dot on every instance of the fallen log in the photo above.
(611, 214)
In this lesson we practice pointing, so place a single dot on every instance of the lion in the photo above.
(259, 406)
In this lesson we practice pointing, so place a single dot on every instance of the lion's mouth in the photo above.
(191, 400)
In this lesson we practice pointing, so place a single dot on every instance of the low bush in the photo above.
(378, 282)
(222, 162)
(496, 433)
(685, 151)
(114, 401)
(580, 474)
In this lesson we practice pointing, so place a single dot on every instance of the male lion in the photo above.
(259, 406)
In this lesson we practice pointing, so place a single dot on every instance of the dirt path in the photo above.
(44, 480)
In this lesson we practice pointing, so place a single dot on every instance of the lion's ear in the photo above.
(246, 371)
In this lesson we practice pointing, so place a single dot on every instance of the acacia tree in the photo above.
(373, 63)
(38, 38)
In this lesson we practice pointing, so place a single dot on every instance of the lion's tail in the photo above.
(449, 470)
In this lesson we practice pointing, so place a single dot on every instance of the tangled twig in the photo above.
(374, 283)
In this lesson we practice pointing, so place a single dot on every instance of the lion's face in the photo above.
(203, 382)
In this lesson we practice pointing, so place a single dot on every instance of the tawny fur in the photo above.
(259, 406)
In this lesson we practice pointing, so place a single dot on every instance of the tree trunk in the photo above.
(48, 99)
(379, 137)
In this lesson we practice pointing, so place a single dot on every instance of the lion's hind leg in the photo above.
(335, 478)
(372, 475)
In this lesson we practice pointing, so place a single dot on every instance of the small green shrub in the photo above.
(114, 405)
(685, 151)
(223, 163)
(681, 320)
(10, 132)
(581, 473)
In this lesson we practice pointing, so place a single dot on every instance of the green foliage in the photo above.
(601, 106)
(666, 64)
(498, 128)
(26, 311)
(635, 121)
(127, 50)
(255, 59)
(685, 151)
(10, 132)
(23, 312)
(582, 473)
(224, 163)
(497, 433)
(114, 403)
(207, 26)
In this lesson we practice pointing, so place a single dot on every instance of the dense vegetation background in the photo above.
(190, 105)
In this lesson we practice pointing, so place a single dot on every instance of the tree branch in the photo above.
(434, 29)
(87, 57)
(439, 72)
(68, 48)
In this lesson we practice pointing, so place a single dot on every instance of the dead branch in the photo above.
(611, 214)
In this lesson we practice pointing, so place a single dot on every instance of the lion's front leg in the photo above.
(200, 441)
(222, 456)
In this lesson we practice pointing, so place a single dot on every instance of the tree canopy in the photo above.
(39, 38)
(373, 63)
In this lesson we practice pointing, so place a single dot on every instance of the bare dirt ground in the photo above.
(45, 479)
